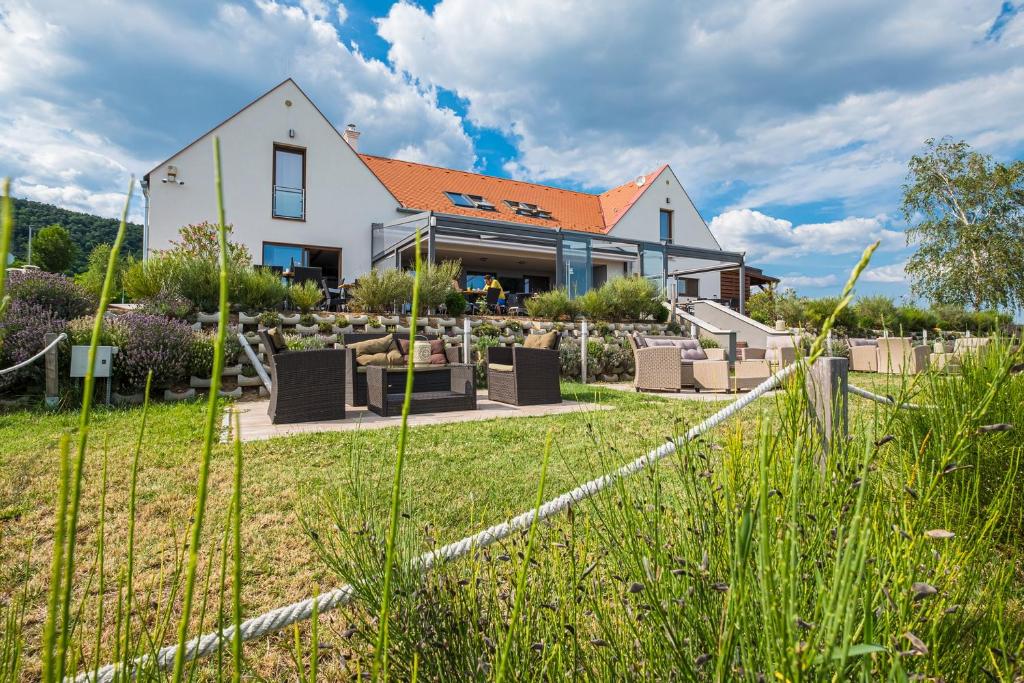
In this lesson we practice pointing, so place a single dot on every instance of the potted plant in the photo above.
(307, 325)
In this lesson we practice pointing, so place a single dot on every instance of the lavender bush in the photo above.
(52, 291)
(151, 342)
(22, 332)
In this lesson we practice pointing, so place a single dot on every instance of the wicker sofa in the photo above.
(525, 375)
(962, 346)
(672, 363)
(355, 373)
(306, 386)
(898, 355)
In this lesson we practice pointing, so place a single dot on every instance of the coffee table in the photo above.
(435, 389)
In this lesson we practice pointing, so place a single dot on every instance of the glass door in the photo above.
(576, 261)
(653, 265)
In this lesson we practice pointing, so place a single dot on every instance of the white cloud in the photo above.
(743, 94)
(775, 240)
(892, 274)
(171, 71)
(807, 281)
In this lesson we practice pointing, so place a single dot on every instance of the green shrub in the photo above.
(790, 307)
(148, 279)
(632, 298)
(306, 295)
(307, 320)
(708, 343)
(455, 303)
(435, 283)
(380, 291)
(313, 342)
(96, 271)
(80, 332)
(761, 307)
(269, 319)
(260, 289)
(481, 345)
(486, 329)
(875, 313)
(593, 304)
(817, 310)
(169, 304)
(910, 318)
(198, 280)
(552, 305)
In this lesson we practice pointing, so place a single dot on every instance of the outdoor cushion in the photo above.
(373, 346)
(436, 347)
(395, 357)
(641, 342)
(438, 359)
(403, 345)
(277, 339)
(500, 367)
(689, 349)
(372, 359)
(540, 341)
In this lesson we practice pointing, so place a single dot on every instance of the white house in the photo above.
(297, 192)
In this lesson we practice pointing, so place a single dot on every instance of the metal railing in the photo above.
(289, 202)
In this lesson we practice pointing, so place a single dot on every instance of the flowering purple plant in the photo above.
(54, 292)
(151, 342)
(22, 331)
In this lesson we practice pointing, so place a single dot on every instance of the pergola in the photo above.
(571, 253)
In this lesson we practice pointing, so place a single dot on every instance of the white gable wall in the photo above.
(643, 222)
(343, 197)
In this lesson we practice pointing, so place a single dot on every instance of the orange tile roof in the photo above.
(422, 187)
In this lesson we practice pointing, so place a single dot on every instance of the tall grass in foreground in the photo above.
(745, 556)
(738, 558)
(64, 648)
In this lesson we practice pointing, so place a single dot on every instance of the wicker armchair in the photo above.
(963, 346)
(306, 386)
(863, 355)
(524, 377)
(898, 355)
(662, 368)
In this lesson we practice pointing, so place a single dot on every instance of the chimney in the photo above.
(351, 136)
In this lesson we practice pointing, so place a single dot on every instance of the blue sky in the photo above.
(789, 123)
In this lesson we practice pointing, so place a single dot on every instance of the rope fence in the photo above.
(28, 361)
(282, 617)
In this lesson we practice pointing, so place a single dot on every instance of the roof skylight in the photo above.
(527, 209)
(470, 201)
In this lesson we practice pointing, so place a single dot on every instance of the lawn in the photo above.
(458, 478)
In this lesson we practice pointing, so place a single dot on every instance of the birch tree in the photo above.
(967, 222)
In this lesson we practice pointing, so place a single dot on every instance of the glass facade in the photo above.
(653, 264)
(284, 256)
(577, 264)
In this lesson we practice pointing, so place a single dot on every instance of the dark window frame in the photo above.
(671, 226)
(273, 185)
(305, 248)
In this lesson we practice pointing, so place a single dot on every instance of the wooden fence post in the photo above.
(52, 366)
(827, 393)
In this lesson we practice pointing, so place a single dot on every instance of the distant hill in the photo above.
(86, 230)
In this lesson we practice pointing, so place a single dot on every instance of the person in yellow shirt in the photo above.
(492, 283)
